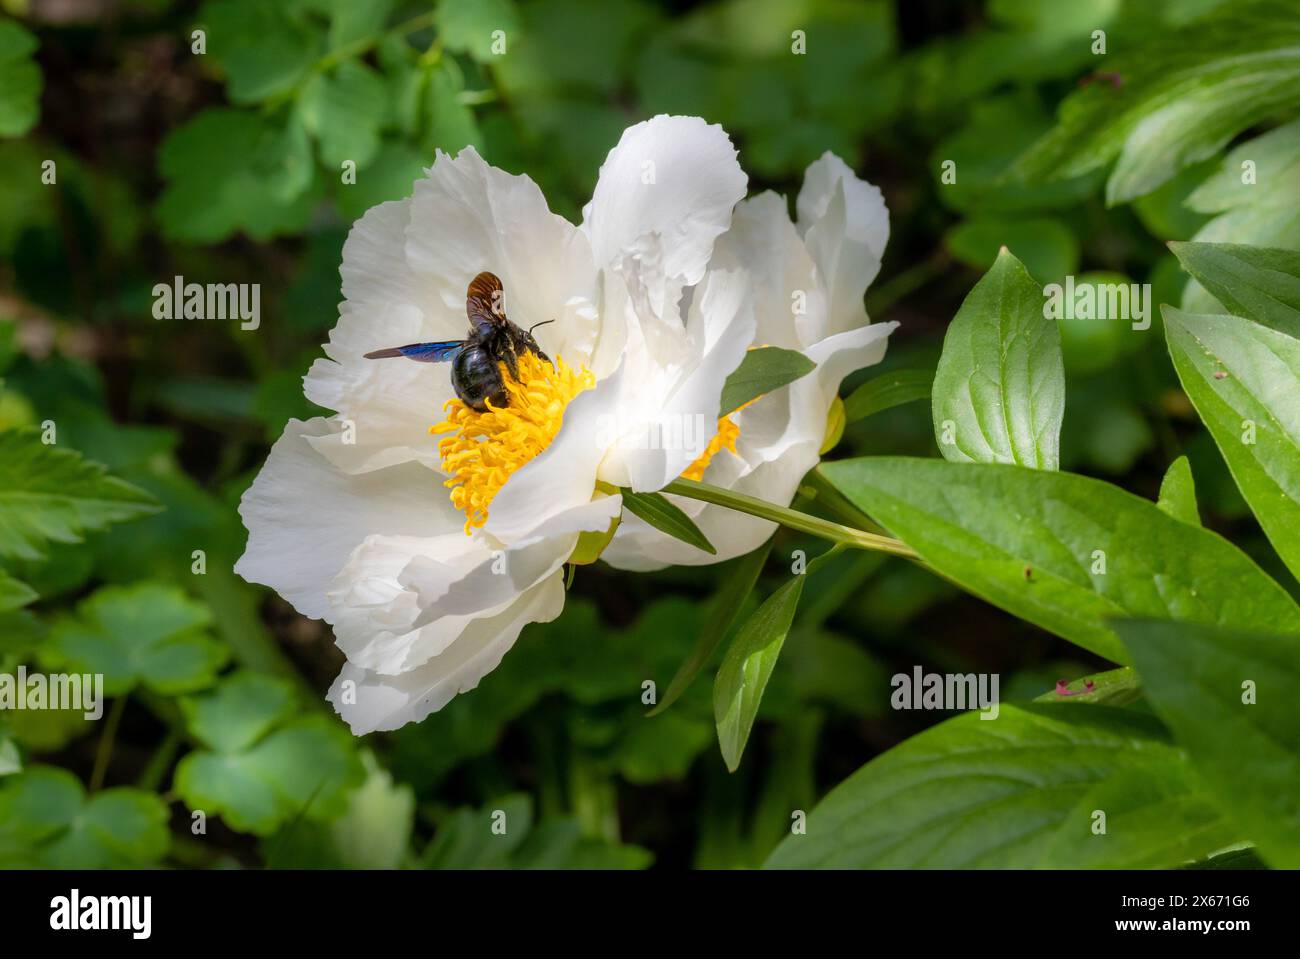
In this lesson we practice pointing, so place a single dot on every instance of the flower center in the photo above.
(482, 450)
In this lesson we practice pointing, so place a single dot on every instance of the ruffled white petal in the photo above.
(845, 226)
(370, 701)
(305, 518)
(675, 176)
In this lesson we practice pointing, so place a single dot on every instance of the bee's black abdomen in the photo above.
(476, 377)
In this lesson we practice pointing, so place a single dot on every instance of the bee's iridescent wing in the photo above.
(485, 302)
(422, 352)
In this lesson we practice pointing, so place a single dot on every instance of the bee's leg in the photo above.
(512, 364)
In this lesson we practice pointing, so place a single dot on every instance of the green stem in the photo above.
(834, 532)
(161, 761)
(105, 750)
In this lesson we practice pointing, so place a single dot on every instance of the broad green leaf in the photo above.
(231, 170)
(763, 370)
(240, 711)
(1253, 196)
(20, 80)
(13, 595)
(48, 822)
(48, 494)
(1115, 687)
(263, 48)
(1178, 492)
(1230, 695)
(1260, 284)
(1244, 380)
(977, 793)
(661, 513)
(375, 832)
(452, 126)
(1178, 99)
(352, 21)
(886, 391)
(263, 771)
(738, 582)
(745, 670)
(1035, 543)
(343, 111)
(146, 634)
(999, 391)
(1158, 815)
(1257, 171)
(471, 26)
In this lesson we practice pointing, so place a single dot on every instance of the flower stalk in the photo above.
(793, 519)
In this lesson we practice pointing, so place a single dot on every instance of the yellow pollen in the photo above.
(483, 450)
(725, 438)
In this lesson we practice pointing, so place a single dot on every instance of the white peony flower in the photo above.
(809, 278)
(352, 520)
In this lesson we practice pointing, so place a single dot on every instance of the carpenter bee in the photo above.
(476, 360)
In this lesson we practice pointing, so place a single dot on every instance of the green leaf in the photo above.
(1178, 492)
(747, 667)
(1032, 543)
(146, 634)
(1246, 746)
(263, 771)
(1260, 284)
(13, 593)
(49, 495)
(1244, 380)
(48, 822)
(467, 26)
(343, 111)
(451, 123)
(886, 391)
(1158, 815)
(503, 835)
(1001, 793)
(1115, 687)
(999, 391)
(661, 513)
(763, 370)
(231, 170)
(263, 48)
(1179, 97)
(390, 176)
(375, 832)
(11, 761)
(20, 80)
(737, 583)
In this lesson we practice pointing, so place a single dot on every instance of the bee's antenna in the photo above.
(536, 325)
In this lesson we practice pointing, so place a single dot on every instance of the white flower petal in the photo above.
(668, 416)
(305, 518)
(789, 299)
(675, 176)
(780, 440)
(370, 701)
(468, 216)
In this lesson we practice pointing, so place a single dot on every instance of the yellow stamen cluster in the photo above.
(483, 450)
